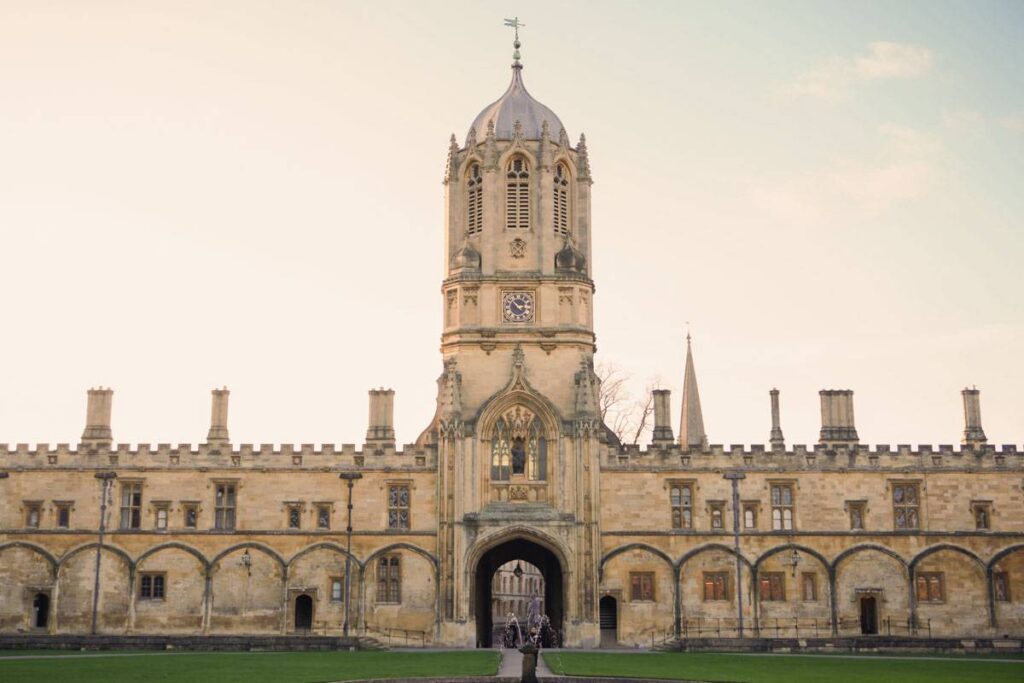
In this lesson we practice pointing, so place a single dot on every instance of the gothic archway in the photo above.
(526, 551)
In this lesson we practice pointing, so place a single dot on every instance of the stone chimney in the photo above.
(837, 425)
(777, 441)
(218, 433)
(381, 431)
(97, 417)
(974, 435)
(662, 417)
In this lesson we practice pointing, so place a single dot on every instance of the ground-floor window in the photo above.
(389, 579)
(716, 585)
(641, 586)
(930, 587)
(151, 586)
(773, 586)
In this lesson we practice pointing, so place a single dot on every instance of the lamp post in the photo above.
(735, 478)
(349, 478)
(106, 481)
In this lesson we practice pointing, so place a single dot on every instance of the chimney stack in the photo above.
(777, 441)
(662, 417)
(97, 417)
(837, 426)
(381, 431)
(218, 433)
(974, 435)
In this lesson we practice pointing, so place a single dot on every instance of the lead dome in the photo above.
(516, 105)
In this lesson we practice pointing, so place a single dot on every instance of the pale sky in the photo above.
(197, 194)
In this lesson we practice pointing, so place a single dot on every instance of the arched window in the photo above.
(517, 195)
(518, 447)
(500, 453)
(474, 201)
(561, 217)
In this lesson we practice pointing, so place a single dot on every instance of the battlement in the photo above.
(825, 457)
(219, 455)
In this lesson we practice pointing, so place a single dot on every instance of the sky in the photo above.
(199, 194)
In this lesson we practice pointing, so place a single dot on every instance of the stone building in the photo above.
(683, 537)
(513, 587)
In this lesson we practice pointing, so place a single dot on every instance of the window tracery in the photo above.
(519, 447)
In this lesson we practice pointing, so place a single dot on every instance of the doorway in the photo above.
(609, 621)
(303, 613)
(868, 615)
(40, 610)
(526, 553)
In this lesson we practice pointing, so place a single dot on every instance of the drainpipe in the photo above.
(107, 480)
(734, 478)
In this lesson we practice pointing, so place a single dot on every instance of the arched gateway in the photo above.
(524, 549)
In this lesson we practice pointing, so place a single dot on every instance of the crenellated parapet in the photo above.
(817, 457)
(305, 456)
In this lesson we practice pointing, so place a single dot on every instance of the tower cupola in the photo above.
(516, 105)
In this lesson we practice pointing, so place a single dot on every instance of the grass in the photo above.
(782, 668)
(240, 667)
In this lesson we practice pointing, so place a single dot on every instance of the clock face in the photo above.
(517, 306)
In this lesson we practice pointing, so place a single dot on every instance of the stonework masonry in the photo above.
(836, 538)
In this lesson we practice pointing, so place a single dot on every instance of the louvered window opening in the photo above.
(517, 196)
(474, 201)
(561, 217)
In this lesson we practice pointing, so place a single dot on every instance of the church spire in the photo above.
(691, 422)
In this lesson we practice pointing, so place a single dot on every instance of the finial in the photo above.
(514, 24)
(687, 332)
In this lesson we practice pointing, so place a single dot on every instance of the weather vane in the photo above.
(513, 23)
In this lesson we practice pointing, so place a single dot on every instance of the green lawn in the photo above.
(782, 668)
(237, 667)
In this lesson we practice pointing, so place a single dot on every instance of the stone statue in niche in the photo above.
(518, 456)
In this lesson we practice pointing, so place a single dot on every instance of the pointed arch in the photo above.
(249, 544)
(611, 554)
(793, 546)
(38, 549)
(326, 545)
(106, 546)
(517, 391)
(177, 546)
(841, 557)
(931, 550)
(517, 532)
(689, 555)
(991, 563)
(402, 546)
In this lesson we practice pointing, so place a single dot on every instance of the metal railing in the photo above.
(405, 637)
(796, 627)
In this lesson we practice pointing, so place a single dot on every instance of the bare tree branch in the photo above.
(629, 419)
